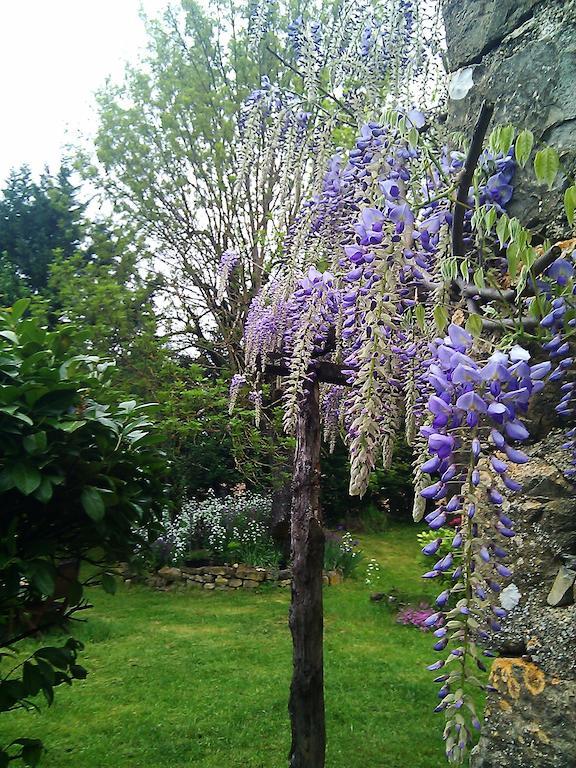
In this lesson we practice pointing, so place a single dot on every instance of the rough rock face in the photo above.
(521, 55)
(530, 720)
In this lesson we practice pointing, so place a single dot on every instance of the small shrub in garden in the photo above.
(341, 553)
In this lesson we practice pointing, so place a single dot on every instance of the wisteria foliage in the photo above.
(453, 348)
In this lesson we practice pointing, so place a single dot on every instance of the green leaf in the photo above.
(505, 138)
(42, 576)
(513, 258)
(490, 219)
(17, 415)
(421, 316)
(35, 443)
(70, 426)
(32, 678)
(46, 669)
(440, 317)
(546, 165)
(26, 478)
(10, 335)
(474, 325)
(45, 491)
(478, 278)
(93, 503)
(32, 752)
(57, 657)
(570, 204)
(19, 307)
(78, 672)
(127, 405)
(514, 227)
(528, 256)
(502, 229)
(523, 147)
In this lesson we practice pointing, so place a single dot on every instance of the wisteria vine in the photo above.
(449, 335)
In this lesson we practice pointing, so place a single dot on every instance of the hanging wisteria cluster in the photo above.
(476, 413)
(445, 328)
(342, 67)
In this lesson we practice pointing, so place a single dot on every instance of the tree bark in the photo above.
(306, 705)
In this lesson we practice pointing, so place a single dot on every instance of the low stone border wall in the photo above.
(227, 577)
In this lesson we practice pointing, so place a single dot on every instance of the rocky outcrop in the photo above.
(530, 717)
(521, 55)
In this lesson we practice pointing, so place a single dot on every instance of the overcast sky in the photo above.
(53, 55)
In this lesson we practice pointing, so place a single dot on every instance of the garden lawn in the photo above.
(194, 678)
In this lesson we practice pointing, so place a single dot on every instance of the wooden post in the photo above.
(306, 705)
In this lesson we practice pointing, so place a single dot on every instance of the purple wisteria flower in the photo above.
(476, 413)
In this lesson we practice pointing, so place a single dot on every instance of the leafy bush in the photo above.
(389, 492)
(234, 527)
(77, 475)
(341, 553)
(211, 449)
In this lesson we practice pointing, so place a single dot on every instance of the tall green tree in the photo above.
(39, 221)
(113, 298)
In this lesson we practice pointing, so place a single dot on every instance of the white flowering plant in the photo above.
(341, 553)
(233, 527)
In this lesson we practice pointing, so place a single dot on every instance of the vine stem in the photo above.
(482, 123)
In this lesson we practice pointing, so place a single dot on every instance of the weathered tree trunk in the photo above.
(306, 703)
(521, 55)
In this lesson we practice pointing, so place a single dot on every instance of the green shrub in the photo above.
(77, 476)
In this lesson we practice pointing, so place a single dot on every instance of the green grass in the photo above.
(201, 679)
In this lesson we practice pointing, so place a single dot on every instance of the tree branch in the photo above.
(474, 151)
(323, 91)
(324, 371)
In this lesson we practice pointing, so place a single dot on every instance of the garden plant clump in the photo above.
(79, 475)
(341, 553)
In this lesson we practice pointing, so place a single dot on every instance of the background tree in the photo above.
(38, 222)
(167, 151)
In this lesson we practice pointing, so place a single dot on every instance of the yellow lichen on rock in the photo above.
(510, 676)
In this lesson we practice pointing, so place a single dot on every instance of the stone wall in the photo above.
(227, 577)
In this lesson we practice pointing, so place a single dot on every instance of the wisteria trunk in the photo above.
(306, 703)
